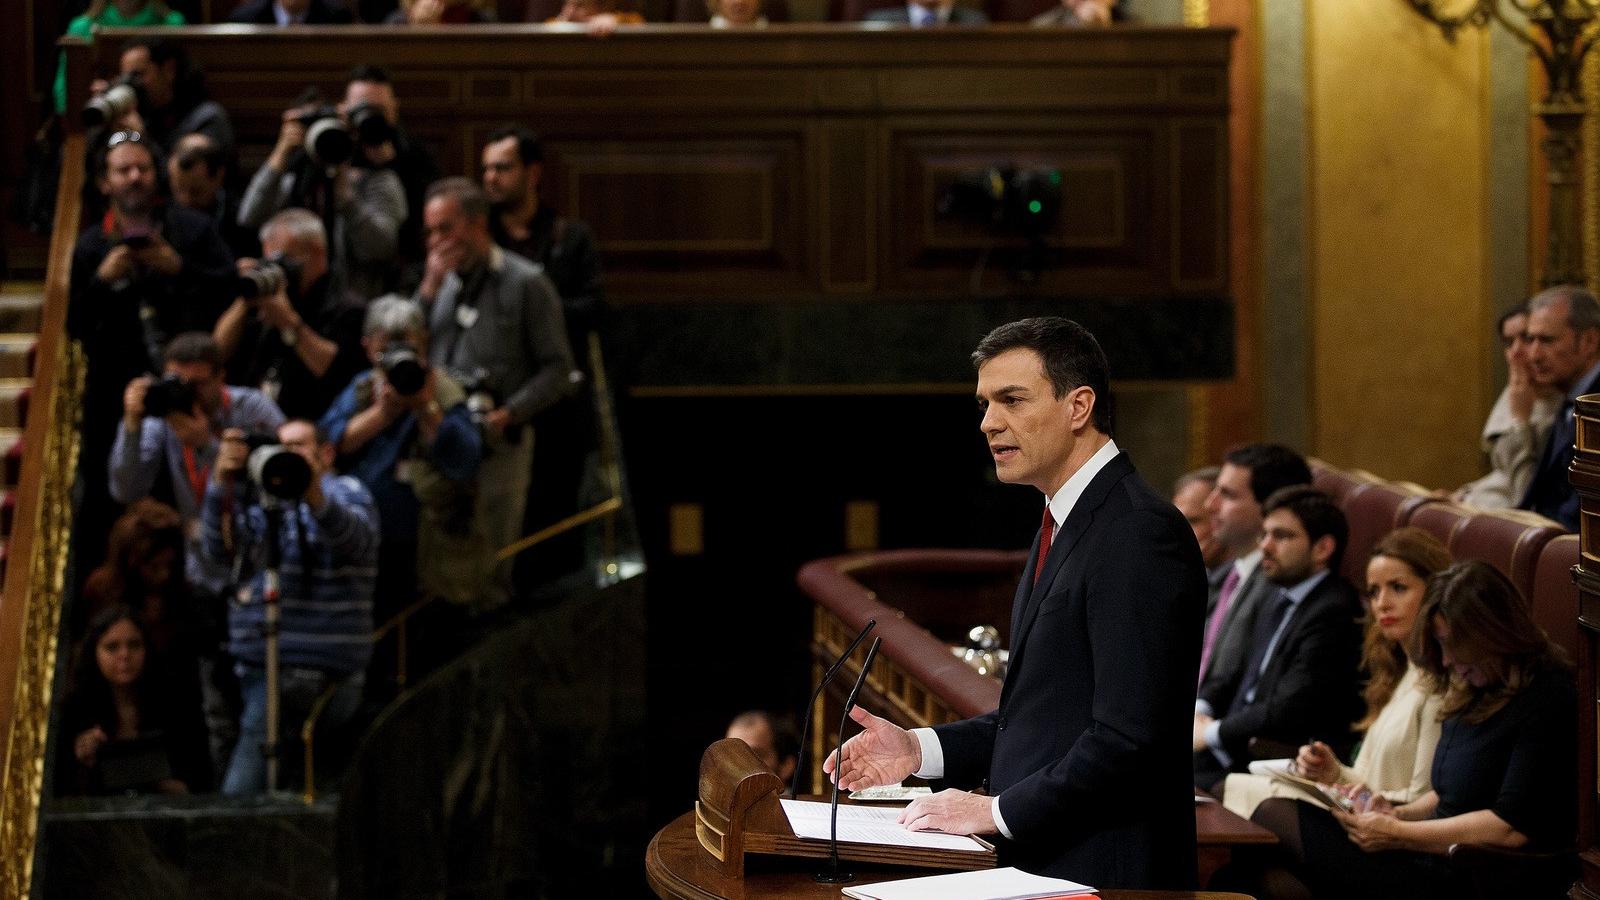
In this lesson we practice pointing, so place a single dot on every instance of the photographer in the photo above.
(332, 162)
(173, 101)
(291, 332)
(495, 312)
(408, 158)
(406, 431)
(175, 424)
(327, 548)
(200, 178)
(145, 271)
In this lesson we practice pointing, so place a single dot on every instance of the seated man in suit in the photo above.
(1249, 475)
(927, 14)
(1564, 329)
(1299, 681)
(1081, 14)
(291, 12)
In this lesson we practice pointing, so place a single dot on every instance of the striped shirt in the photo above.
(329, 566)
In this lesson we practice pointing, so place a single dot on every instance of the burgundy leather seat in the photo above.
(1554, 595)
(1373, 510)
(1442, 520)
(1510, 542)
(1336, 483)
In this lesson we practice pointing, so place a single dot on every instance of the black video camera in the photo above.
(169, 394)
(1012, 200)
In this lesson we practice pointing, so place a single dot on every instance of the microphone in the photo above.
(805, 727)
(833, 875)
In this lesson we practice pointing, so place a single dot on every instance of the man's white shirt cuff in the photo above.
(1214, 741)
(932, 754)
(1000, 823)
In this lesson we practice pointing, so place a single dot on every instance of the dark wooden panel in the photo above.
(804, 163)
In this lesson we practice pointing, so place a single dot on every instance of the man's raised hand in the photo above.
(883, 753)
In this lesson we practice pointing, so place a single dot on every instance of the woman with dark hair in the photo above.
(1401, 724)
(1502, 773)
(143, 570)
(122, 735)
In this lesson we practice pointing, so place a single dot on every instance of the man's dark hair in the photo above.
(529, 147)
(1318, 515)
(207, 154)
(188, 83)
(1072, 359)
(369, 72)
(1272, 468)
(194, 347)
(1521, 309)
(474, 202)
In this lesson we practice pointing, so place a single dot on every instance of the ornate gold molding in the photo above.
(1197, 13)
(22, 779)
(1588, 156)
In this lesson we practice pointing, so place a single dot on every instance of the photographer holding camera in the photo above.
(171, 94)
(334, 162)
(327, 552)
(495, 312)
(405, 430)
(291, 331)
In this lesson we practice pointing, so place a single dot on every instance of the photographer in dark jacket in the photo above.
(404, 155)
(173, 100)
(300, 341)
(145, 271)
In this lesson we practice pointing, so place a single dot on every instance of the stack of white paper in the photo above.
(869, 825)
(988, 884)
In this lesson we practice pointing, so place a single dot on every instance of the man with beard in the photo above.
(1299, 680)
(172, 96)
(144, 272)
(301, 343)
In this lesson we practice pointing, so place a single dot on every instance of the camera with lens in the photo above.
(481, 397)
(403, 368)
(272, 274)
(279, 473)
(328, 138)
(169, 394)
(370, 124)
(118, 99)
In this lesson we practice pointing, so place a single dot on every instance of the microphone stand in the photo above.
(271, 585)
(805, 725)
(833, 875)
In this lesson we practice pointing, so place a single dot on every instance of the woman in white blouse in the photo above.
(1401, 726)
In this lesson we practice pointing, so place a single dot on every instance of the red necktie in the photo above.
(1047, 530)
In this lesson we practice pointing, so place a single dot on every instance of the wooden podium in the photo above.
(737, 813)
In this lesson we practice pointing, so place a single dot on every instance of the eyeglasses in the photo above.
(125, 137)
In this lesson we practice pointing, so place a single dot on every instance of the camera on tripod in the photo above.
(275, 470)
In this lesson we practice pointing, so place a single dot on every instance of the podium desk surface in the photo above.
(678, 868)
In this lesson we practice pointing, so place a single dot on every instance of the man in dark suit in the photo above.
(927, 14)
(1564, 330)
(1249, 475)
(291, 12)
(1084, 762)
(1299, 680)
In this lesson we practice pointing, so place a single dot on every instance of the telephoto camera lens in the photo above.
(278, 471)
(264, 280)
(328, 139)
(167, 395)
(117, 101)
(370, 125)
(403, 369)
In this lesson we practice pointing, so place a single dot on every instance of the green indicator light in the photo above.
(1055, 177)
(1035, 206)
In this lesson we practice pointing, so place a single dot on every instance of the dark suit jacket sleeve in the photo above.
(1144, 602)
(967, 746)
(1310, 682)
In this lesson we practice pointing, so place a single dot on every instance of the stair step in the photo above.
(10, 457)
(20, 313)
(14, 396)
(17, 355)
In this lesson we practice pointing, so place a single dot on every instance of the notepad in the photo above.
(986, 884)
(871, 825)
(1282, 771)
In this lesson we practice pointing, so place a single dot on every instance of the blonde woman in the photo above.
(1401, 725)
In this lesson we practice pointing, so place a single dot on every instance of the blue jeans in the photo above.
(299, 688)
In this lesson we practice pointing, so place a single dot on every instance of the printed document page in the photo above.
(988, 884)
(869, 825)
